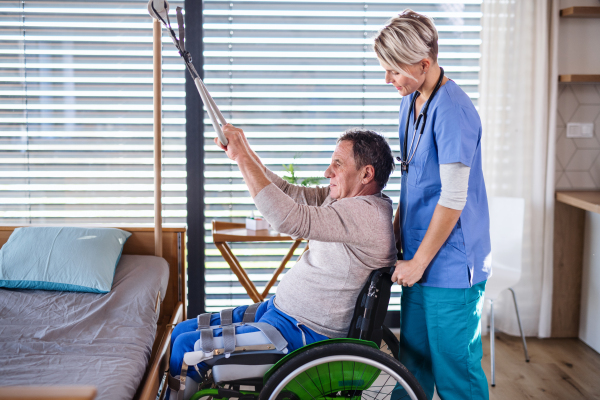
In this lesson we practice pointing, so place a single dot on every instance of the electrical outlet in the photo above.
(580, 130)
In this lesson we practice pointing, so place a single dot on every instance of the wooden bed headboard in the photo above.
(173, 307)
(141, 242)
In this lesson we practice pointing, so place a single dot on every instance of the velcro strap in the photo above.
(250, 313)
(228, 339)
(226, 316)
(204, 321)
(173, 382)
(206, 340)
(181, 29)
(271, 333)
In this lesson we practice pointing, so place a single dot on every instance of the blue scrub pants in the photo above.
(440, 341)
(185, 334)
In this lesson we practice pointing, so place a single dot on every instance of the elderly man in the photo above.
(349, 225)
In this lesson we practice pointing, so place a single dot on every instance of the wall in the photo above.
(589, 323)
(578, 160)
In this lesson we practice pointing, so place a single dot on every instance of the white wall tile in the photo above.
(565, 148)
(581, 180)
(562, 183)
(586, 94)
(578, 160)
(585, 113)
(595, 172)
(582, 160)
(567, 104)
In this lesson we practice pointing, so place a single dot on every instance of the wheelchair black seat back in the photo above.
(371, 306)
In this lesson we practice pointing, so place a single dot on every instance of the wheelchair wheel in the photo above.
(340, 371)
(389, 343)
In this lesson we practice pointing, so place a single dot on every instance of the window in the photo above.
(76, 115)
(294, 75)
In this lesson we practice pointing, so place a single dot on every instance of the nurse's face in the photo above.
(403, 83)
(344, 179)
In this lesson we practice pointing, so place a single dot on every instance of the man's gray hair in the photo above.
(371, 148)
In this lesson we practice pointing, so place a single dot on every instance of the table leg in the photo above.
(281, 267)
(237, 269)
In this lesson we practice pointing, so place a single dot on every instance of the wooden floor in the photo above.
(559, 369)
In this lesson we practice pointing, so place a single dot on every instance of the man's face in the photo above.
(344, 179)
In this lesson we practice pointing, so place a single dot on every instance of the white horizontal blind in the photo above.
(76, 115)
(294, 75)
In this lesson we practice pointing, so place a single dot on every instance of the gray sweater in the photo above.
(348, 239)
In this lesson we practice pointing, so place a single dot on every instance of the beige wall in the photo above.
(578, 160)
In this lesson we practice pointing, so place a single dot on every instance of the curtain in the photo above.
(514, 108)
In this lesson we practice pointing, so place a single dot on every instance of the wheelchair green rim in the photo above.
(335, 377)
(326, 380)
(313, 345)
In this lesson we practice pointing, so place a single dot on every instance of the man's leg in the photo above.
(414, 342)
(453, 318)
(186, 334)
(296, 334)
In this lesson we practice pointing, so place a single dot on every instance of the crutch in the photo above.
(159, 9)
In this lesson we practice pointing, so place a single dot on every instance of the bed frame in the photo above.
(172, 311)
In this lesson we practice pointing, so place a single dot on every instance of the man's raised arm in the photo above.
(254, 171)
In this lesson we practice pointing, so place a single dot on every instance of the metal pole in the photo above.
(157, 68)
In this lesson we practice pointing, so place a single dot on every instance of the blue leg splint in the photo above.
(186, 337)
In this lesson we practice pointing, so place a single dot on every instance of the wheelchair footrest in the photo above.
(244, 366)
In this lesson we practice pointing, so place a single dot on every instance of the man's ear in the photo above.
(368, 174)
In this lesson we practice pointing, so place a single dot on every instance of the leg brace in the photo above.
(208, 349)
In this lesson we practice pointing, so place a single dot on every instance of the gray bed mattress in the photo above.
(65, 338)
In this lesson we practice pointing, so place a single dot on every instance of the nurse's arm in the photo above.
(443, 221)
(455, 179)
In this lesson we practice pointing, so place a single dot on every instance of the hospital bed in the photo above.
(117, 342)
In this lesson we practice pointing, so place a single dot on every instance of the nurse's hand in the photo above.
(408, 272)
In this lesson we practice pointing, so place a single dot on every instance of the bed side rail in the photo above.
(160, 363)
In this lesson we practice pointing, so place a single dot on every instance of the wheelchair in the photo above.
(363, 365)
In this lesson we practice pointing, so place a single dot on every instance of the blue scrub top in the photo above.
(452, 134)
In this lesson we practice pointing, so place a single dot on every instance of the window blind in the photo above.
(76, 115)
(294, 75)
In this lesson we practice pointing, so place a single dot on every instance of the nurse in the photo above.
(442, 222)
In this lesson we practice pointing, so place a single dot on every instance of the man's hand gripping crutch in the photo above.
(159, 9)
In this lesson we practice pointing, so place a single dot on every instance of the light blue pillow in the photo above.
(61, 258)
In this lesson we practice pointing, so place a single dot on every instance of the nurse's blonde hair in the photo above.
(406, 40)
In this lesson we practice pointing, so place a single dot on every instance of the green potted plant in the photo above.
(294, 180)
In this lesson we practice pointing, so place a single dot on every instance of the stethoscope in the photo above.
(409, 154)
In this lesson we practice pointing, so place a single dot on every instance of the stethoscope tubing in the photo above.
(409, 153)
